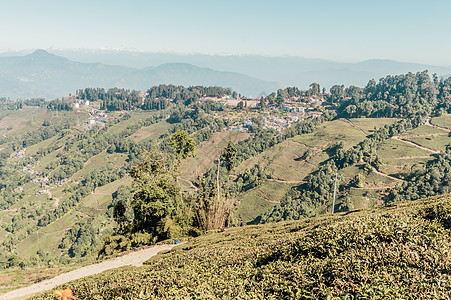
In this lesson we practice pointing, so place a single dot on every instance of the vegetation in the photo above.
(433, 179)
(314, 196)
(394, 252)
(156, 98)
(66, 175)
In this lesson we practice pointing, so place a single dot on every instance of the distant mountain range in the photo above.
(286, 70)
(187, 74)
(42, 74)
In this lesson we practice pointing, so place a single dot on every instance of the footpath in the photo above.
(132, 259)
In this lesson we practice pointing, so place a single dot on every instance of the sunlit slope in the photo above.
(393, 252)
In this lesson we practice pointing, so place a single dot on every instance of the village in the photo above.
(272, 117)
(293, 110)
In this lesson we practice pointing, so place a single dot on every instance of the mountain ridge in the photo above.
(282, 69)
(188, 74)
(43, 74)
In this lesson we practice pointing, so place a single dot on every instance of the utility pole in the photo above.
(217, 178)
(335, 192)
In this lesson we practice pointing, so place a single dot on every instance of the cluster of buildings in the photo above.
(98, 118)
(278, 123)
(230, 101)
(19, 154)
(79, 103)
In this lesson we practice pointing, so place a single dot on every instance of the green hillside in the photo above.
(65, 165)
(281, 163)
(401, 251)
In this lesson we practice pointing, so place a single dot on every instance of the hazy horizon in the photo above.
(344, 31)
(54, 50)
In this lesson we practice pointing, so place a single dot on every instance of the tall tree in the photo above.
(315, 89)
(183, 145)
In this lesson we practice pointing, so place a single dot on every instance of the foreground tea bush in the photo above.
(398, 252)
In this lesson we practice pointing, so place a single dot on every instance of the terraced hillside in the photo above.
(62, 173)
(287, 164)
(48, 183)
(394, 252)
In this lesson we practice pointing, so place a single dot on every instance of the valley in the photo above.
(66, 164)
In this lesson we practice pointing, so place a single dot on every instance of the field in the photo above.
(443, 121)
(13, 122)
(425, 130)
(395, 148)
(94, 204)
(150, 132)
(135, 117)
(383, 252)
(368, 124)
(332, 132)
(416, 146)
(284, 163)
(258, 200)
(47, 238)
(207, 152)
(434, 142)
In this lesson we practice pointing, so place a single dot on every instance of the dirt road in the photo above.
(132, 259)
(415, 144)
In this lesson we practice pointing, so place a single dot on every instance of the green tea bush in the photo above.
(401, 251)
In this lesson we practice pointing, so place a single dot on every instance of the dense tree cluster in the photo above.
(156, 98)
(80, 239)
(250, 178)
(159, 210)
(432, 179)
(394, 96)
(59, 105)
(7, 104)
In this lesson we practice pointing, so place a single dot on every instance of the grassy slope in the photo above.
(47, 238)
(282, 163)
(398, 157)
(207, 152)
(402, 251)
(443, 121)
(150, 132)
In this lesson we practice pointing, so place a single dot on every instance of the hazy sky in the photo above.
(342, 30)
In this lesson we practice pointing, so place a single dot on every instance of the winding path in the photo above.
(357, 127)
(416, 145)
(132, 259)
(428, 122)
(386, 175)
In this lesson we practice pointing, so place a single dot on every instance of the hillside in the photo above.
(394, 252)
(65, 184)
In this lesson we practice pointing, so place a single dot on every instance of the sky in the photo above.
(345, 30)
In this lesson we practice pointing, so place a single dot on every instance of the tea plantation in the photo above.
(399, 251)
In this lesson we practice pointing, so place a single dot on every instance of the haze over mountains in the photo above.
(56, 74)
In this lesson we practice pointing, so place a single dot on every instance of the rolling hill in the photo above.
(42, 74)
